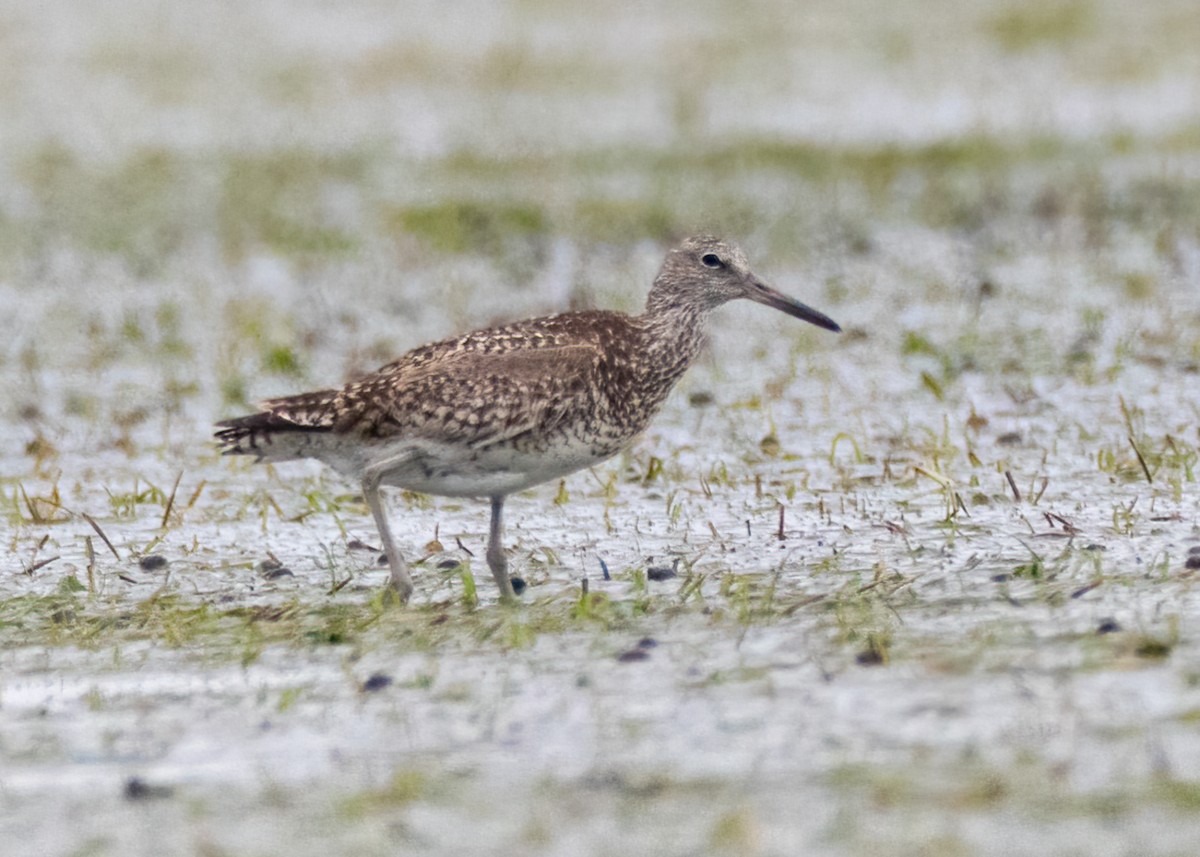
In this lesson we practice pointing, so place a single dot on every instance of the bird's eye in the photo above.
(712, 260)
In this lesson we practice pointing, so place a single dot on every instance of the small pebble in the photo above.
(1011, 438)
(869, 657)
(633, 655)
(647, 643)
(1192, 561)
(518, 585)
(377, 681)
(138, 789)
(1194, 551)
(662, 572)
(273, 570)
(1001, 578)
(153, 562)
(1108, 626)
(448, 564)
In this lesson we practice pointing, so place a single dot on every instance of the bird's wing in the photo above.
(477, 397)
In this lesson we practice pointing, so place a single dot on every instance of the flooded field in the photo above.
(929, 587)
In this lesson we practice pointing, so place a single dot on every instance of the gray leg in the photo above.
(496, 560)
(401, 579)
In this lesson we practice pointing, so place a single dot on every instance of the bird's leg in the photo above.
(401, 580)
(496, 560)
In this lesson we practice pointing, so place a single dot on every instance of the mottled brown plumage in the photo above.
(498, 410)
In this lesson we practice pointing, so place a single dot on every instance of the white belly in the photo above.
(455, 471)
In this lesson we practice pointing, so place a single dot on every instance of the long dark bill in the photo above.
(764, 294)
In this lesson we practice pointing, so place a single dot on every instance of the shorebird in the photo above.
(501, 409)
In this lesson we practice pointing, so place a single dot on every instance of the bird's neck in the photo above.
(672, 336)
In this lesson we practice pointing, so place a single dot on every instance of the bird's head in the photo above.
(703, 272)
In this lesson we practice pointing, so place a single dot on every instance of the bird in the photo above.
(501, 409)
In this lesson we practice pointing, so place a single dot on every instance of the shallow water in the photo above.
(925, 657)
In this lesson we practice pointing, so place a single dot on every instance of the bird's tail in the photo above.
(282, 429)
